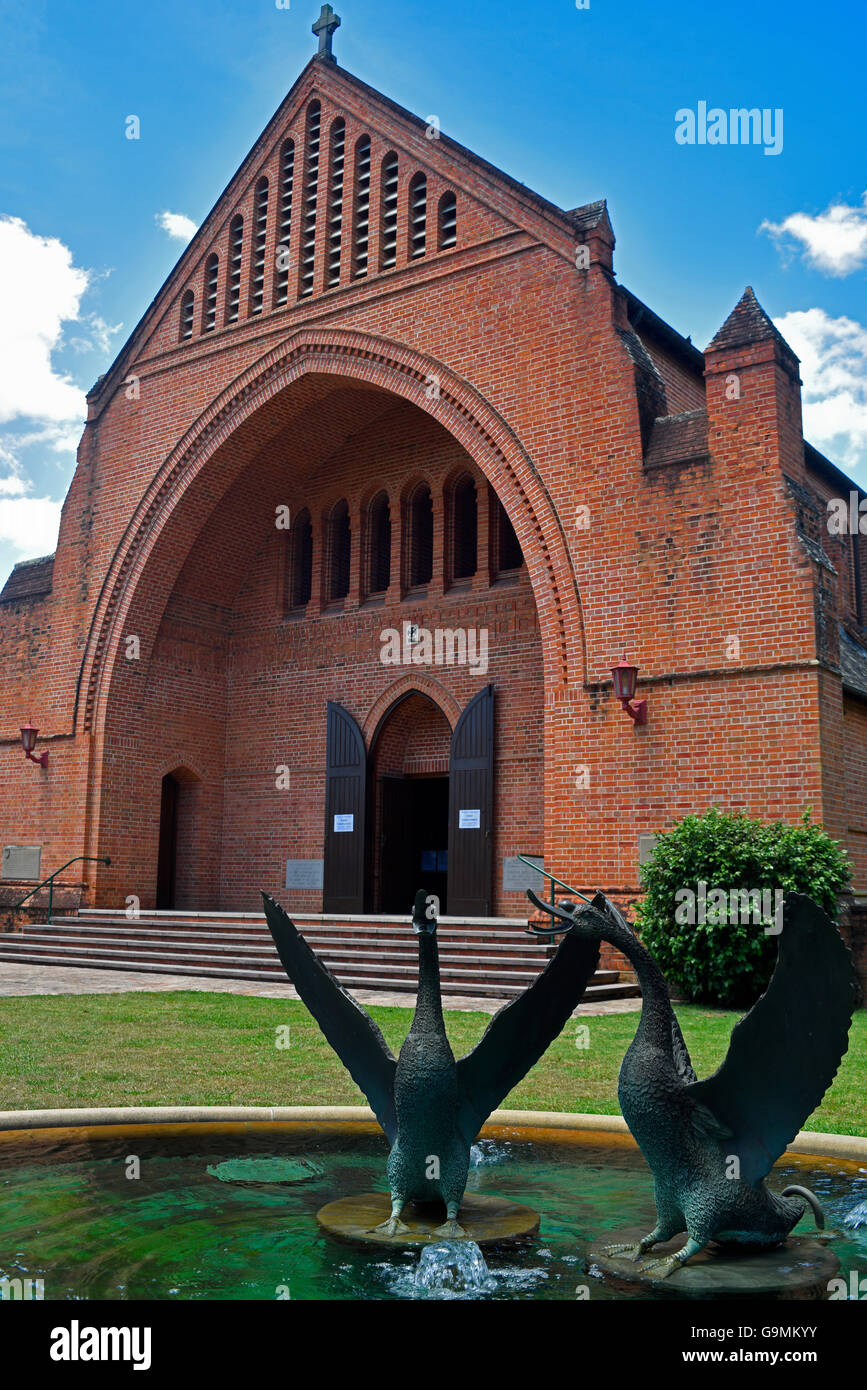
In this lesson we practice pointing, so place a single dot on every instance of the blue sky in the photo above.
(577, 103)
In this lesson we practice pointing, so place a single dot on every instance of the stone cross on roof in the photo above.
(324, 28)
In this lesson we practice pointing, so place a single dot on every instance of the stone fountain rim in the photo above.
(847, 1146)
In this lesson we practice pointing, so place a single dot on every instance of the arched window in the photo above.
(420, 536)
(378, 544)
(209, 302)
(284, 231)
(361, 219)
(300, 561)
(388, 240)
(335, 202)
(465, 528)
(509, 555)
(188, 314)
(417, 216)
(311, 183)
(257, 250)
(448, 221)
(340, 551)
(233, 277)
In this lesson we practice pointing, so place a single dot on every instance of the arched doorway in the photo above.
(409, 791)
(178, 836)
(223, 633)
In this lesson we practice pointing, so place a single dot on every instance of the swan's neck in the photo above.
(429, 1005)
(655, 1024)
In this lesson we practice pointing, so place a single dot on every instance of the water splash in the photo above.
(488, 1151)
(455, 1269)
(856, 1216)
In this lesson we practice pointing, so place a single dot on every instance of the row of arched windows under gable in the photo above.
(461, 550)
(350, 180)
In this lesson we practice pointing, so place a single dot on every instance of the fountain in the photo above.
(255, 1206)
(70, 1216)
(431, 1107)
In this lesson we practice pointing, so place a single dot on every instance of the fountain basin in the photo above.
(73, 1213)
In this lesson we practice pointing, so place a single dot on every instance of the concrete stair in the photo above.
(494, 957)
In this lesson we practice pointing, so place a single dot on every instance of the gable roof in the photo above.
(529, 211)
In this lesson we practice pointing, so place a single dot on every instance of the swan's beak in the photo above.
(564, 912)
(588, 922)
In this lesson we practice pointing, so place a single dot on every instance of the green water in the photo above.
(70, 1216)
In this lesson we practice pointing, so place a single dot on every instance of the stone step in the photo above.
(69, 930)
(496, 957)
(373, 930)
(481, 985)
(264, 954)
(405, 970)
(303, 920)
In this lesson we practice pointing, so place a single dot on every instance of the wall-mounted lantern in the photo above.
(625, 678)
(29, 735)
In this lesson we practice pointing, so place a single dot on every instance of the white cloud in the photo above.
(834, 241)
(40, 290)
(178, 226)
(101, 334)
(833, 353)
(29, 525)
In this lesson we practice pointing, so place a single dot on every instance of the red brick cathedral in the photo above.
(388, 478)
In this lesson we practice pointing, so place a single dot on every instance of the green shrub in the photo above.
(727, 958)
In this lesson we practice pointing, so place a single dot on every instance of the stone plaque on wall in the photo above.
(304, 873)
(21, 861)
(646, 845)
(518, 876)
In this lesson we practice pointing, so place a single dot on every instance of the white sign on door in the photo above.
(470, 820)
(344, 825)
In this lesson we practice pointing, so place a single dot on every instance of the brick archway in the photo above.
(362, 358)
(414, 683)
(408, 794)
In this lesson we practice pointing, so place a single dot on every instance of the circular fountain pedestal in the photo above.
(485, 1220)
(800, 1269)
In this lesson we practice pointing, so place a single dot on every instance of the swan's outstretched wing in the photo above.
(521, 1032)
(349, 1029)
(785, 1052)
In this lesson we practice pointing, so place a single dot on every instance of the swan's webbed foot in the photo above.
(450, 1230)
(669, 1264)
(392, 1227)
(633, 1252)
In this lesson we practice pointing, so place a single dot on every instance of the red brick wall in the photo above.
(855, 730)
(697, 573)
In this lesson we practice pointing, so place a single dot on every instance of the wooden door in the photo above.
(345, 795)
(471, 809)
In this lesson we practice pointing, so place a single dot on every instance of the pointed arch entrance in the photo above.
(414, 810)
(409, 797)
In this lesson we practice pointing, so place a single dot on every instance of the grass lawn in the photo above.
(187, 1048)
